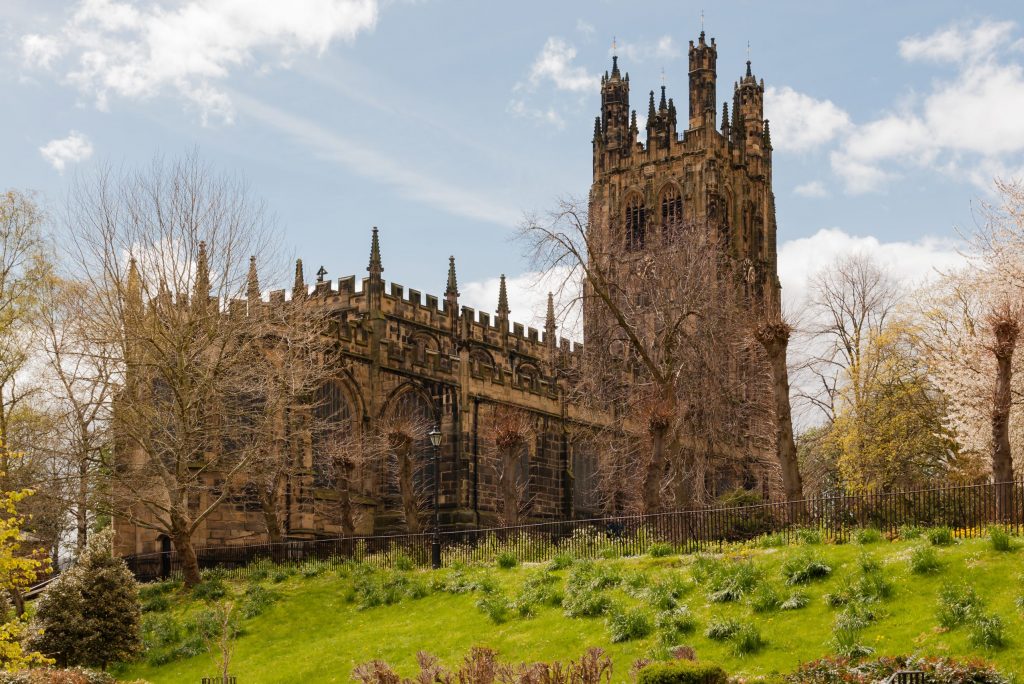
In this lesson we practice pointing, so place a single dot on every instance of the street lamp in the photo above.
(435, 541)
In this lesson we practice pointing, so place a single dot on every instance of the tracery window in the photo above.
(635, 223)
(585, 477)
(332, 417)
(671, 213)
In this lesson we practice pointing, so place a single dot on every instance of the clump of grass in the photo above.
(506, 560)
(538, 590)
(373, 589)
(313, 568)
(924, 561)
(404, 563)
(729, 581)
(908, 532)
(869, 563)
(280, 574)
(765, 599)
(868, 535)
(635, 583)
(805, 567)
(659, 550)
(560, 561)
(584, 590)
(211, 588)
(940, 536)
(664, 593)
(629, 624)
(958, 604)
(795, 601)
(495, 606)
(256, 600)
(722, 628)
(848, 629)
(770, 540)
(258, 573)
(747, 640)
(1000, 538)
(672, 624)
(987, 632)
(807, 535)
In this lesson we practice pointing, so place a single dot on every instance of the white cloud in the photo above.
(555, 64)
(585, 27)
(800, 122)
(70, 150)
(663, 48)
(370, 163)
(138, 50)
(966, 126)
(811, 189)
(912, 263)
(956, 43)
(528, 300)
(547, 116)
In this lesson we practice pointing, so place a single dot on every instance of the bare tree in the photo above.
(773, 334)
(1005, 324)
(164, 254)
(666, 352)
(511, 430)
(405, 434)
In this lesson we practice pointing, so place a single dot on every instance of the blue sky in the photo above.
(443, 121)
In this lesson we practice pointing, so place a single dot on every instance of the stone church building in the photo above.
(428, 357)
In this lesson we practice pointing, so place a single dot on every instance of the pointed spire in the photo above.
(634, 131)
(375, 268)
(299, 286)
(671, 111)
(252, 288)
(597, 129)
(650, 111)
(503, 310)
(549, 321)
(767, 136)
(133, 295)
(453, 286)
(749, 74)
(662, 105)
(615, 66)
(725, 117)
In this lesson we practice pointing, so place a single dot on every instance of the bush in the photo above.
(404, 563)
(256, 600)
(672, 624)
(659, 550)
(987, 631)
(46, 675)
(804, 567)
(681, 672)
(868, 535)
(958, 604)
(908, 532)
(806, 535)
(796, 601)
(506, 560)
(560, 561)
(940, 536)
(158, 603)
(924, 560)
(495, 606)
(629, 624)
(722, 629)
(937, 670)
(765, 599)
(746, 640)
(1000, 538)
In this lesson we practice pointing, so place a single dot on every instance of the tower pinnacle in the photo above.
(252, 289)
(375, 268)
(503, 310)
(299, 286)
(453, 286)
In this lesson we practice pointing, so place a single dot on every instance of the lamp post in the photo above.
(435, 541)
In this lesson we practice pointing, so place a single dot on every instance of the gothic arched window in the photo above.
(585, 477)
(332, 416)
(671, 213)
(635, 223)
(411, 417)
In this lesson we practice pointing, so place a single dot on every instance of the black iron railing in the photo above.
(966, 509)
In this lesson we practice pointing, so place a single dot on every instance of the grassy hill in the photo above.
(314, 624)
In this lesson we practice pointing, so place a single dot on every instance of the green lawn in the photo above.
(316, 631)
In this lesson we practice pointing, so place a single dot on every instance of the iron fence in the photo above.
(966, 509)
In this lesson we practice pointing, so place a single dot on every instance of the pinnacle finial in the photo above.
(503, 310)
(597, 129)
(549, 321)
(202, 287)
(299, 287)
(663, 105)
(749, 74)
(375, 268)
(725, 117)
(650, 111)
(453, 286)
(252, 290)
(767, 136)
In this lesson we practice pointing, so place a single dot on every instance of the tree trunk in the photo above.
(407, 487)
(655, 470)
(82, 507)
(774, 337)
(189, 561)
(1005, 330)
(509, 487)
(345, 508)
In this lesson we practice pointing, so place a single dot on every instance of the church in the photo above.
(415, 357)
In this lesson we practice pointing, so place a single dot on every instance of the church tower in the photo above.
(716, 176)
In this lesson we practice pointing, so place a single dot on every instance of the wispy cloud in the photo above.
(811, 189)
(370, 163)
(554, 64)
(70, 150)
(141, 49)
(663, 48)
(800, 122)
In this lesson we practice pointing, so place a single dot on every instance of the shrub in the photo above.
(629, 624)
(210, 589)
(746, 640)
(765, 599)
(156, 604)
(722, 629)
(672, 624)
(404, 563)
(560, 561)
(987, 631)
(1000, 538)
(681, 672)
(796, 601)
(908, 532)
(659, 550)
(256, 600)
(46, 675)
(804, 567)
(806, 535)
(665, 593)
(940, 536)
(958, 603)
(937, 670)
(868, 535)
(924, 560)
(506, 560)
(494, 606)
